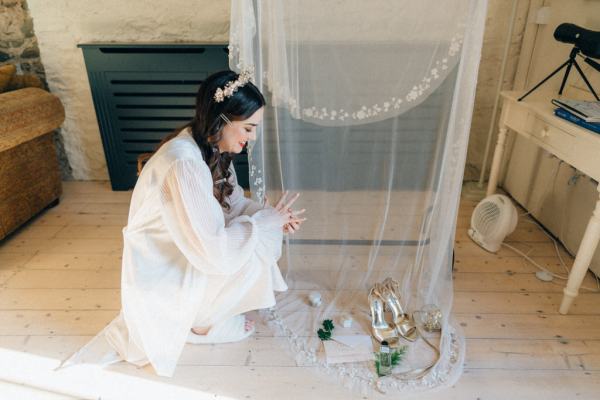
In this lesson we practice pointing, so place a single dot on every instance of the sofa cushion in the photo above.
(26, 114)
(6, 74)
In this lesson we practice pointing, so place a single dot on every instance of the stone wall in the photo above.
(63, 24)
(19, 46)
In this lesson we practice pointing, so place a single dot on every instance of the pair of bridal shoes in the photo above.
(384, 296)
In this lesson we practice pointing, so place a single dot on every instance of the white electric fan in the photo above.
(494, 218)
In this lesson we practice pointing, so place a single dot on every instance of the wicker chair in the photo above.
(29, 172)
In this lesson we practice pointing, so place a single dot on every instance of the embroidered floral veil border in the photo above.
(310, 90)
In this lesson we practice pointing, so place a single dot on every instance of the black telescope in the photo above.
(587, 41)
(586, 44)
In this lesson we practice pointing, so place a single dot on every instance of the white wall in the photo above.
(494, 41)
(548, 53)
(557, 196)
(61, 25)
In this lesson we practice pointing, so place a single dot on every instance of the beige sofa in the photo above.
(29, 172)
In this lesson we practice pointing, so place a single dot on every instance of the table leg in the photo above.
(588, 245)
(497, 160)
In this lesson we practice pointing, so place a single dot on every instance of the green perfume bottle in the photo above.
(385, 359)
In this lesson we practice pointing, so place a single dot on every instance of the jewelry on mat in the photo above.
(314, 298)
(430, 316)
(346, 320)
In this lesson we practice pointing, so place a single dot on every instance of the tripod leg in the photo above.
(564, 81)
(545, 79)
(586, 80)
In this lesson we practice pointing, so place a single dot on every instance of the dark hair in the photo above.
(207, 126)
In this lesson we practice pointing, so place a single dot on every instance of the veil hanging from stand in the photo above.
(368, 116)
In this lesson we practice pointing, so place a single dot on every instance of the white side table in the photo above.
(579, 147)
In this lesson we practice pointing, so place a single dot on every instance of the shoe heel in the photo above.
(380, 329)
(405, 327)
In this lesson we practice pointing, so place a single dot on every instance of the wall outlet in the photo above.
(542, 15)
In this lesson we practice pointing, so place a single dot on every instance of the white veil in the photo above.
(369, 113)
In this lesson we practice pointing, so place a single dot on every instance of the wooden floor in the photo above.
(59, 285)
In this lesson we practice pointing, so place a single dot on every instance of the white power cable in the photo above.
(531, 260)
(562, 262)
(557, 276)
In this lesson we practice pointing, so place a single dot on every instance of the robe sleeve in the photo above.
(196, 222)
(240, 204)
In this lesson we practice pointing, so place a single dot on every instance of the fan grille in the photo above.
(486, 216)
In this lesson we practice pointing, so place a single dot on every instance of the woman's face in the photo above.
(238, 133)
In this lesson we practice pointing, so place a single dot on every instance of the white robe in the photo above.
(186, 260)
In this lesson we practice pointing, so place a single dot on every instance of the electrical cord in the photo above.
(565, 216)
(562, 262)
(532, 261)
(557, 276)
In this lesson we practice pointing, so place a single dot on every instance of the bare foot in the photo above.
(204, 330)
(201, 331)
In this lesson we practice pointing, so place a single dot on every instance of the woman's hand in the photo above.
(284, 207)
(295, 222)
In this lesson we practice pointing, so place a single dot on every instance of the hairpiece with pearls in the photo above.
(232, 86)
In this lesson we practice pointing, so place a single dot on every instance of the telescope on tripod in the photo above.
(586, 45)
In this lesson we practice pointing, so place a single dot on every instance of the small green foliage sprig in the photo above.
(325, 333)
(397, 356)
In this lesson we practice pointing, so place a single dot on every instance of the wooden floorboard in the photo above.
(10, 390)
(60, 280)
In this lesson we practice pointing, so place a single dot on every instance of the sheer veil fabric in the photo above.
(369, 110)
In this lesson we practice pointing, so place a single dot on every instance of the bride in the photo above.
(197, 254)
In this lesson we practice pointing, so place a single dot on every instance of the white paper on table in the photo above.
(350, 348)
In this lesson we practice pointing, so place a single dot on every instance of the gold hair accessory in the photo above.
(232, 86)
(227, 121)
